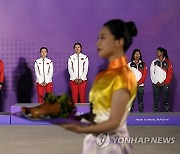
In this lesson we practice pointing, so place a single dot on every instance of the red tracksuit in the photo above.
(1, 72)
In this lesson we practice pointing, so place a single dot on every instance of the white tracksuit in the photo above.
(161, 71)
(43, 70)
(139, 70)
(78, 66)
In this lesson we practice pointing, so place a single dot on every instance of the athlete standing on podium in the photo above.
(1, 79)
(44, 73)
(78, 68)
(161, 72)
(139, 68)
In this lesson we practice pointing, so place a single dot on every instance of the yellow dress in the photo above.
(115, 77)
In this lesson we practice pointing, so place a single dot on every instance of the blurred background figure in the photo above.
(1, 81)
(112, 92)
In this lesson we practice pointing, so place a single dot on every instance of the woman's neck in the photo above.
(161, 58)
(116, 55)
(136, 61)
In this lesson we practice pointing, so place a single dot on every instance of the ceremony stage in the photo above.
(136, 118)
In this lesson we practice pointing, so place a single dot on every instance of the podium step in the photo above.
(146, 118)
(5, 118)
(151, 118)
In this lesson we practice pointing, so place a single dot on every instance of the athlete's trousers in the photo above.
(41, 90)
(165, 96)
(140, 96)
(78, 90)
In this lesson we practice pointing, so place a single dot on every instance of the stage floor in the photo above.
(146, 118)
(136, 118)
(51, 139)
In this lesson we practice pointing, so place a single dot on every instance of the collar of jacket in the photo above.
(138, 61)
(118, 63)
(162, 60)
(44, 59)
(77, 54)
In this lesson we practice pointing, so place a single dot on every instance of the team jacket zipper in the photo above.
(78, 66)
(43, 70)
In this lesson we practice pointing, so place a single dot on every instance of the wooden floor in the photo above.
(51, 139)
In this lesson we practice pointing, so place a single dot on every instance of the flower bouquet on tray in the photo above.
(57, 109)
(54, 106)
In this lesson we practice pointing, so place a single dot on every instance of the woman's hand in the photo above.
(120, 99)
(158, 84)
(45, 84)
(76, 81)
(162, 84)
(80, 81)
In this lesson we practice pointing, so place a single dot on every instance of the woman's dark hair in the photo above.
(77, 43)
(165, 54)
(43, 48)
(136, 50)
(121, 29)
